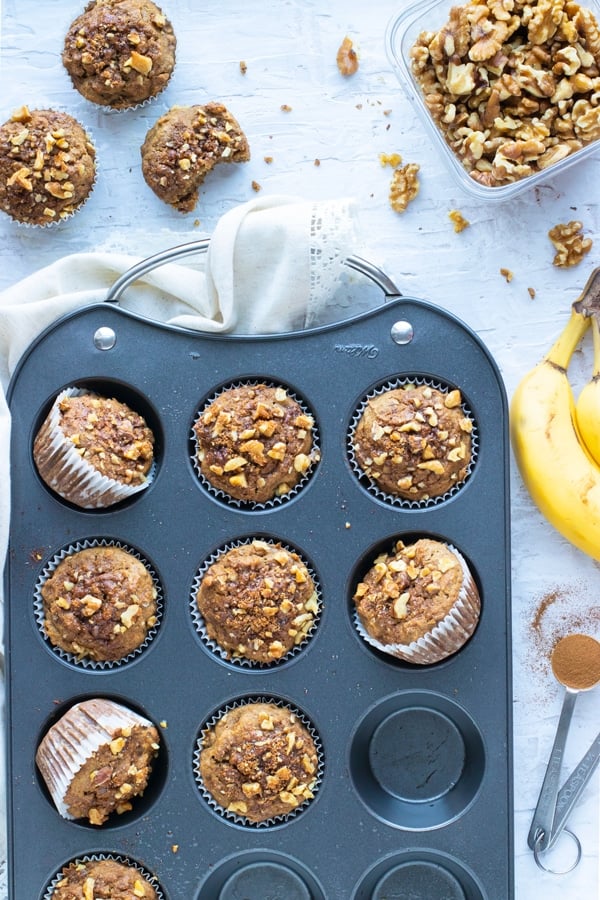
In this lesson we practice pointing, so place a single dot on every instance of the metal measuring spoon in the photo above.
(543, 832)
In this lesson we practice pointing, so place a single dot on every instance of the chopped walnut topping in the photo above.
(571, 246)
(347, 58)
(404, 187)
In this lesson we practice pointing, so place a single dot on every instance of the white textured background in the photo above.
(289, 47)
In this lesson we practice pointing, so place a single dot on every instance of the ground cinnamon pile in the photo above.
(576, 661)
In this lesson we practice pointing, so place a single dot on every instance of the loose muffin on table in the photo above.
(419, 602)
(414, 441)
(97, 759)
(102, 879)
(258, 601)
(184, 145)
(259, 761)
(99, 604)
(120, 53)
(255, 442)
(92, 450)
(47, 166)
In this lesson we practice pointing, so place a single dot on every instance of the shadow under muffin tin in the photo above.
(416, 787)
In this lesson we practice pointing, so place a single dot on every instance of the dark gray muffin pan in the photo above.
(415, 798)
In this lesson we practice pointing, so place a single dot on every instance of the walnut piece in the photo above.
(513, 85)
(459, 221)
(570, 244)
(347, 58)
(404, 186)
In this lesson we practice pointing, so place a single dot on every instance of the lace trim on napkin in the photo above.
(332, 240)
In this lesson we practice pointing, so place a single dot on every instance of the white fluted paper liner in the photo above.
(75, 738)
(275, 501)
(216, 648)
(98, 857)
(38, 604)
(370, 484)
(236, 817)
(448, 636)
(71, 476)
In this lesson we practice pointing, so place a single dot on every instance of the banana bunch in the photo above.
(556, 441)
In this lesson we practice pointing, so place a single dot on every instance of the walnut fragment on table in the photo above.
(347, 58)
(404, 187)
(458, 220)
(570, 244)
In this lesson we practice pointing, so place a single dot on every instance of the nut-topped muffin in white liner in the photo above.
(255, 444)
(109, 614)
(121, 442)
(255, 603)
(418, 603)
(262, 757)
(413, 442)
(102, 876)
(97, 758)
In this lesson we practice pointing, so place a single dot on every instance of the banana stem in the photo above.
(596, 337)
(562, 350)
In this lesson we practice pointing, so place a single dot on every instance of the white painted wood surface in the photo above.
(289, 47)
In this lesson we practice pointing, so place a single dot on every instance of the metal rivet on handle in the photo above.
(105, 338)
(402, 332)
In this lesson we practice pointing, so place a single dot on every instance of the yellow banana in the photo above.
(564, 482)
(587, 408)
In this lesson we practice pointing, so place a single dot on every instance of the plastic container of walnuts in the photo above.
(508, 91)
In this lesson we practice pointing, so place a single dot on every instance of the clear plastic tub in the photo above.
(402, 33)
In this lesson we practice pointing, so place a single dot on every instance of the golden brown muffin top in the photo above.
(258, 601)
(407, 592)
(99, 603)
(104, 879)
(120, 52)
(255, 442)
(259, 761)
(47, 166)
(184, 145)
(414, 441)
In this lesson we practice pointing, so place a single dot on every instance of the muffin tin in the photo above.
(415, 795)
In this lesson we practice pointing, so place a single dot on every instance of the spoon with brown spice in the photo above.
(575, 663)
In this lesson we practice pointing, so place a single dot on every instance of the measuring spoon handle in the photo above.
(542, 825)
(573, 787)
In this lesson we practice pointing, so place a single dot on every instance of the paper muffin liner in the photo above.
(75, 738)
(448, 636)
(275, 501)
(38, 605)
(210, 723)
(213, 646)
(68, 474)
(98, 857)
(370, 485)
(61, 219)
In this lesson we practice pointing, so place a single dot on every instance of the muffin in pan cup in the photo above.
(255, 602)
(96, 759)
(120, 53)
(414, 441)
(93, 451)
(418, 603)
(47, 166)
(98, 603)
(258, 761)
(103, 876)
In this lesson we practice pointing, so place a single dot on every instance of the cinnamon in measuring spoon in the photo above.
(576, 661)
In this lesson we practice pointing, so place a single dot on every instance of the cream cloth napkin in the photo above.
(273, 265)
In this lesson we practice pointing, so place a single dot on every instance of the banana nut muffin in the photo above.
(99, 604)
(419, 602)
(93, 450)
(102, 879)
(259, 761)
(414, 441)
(120, 53)
(97, 759)
(258, 601)
(47, 166)
(254, 442)
(184, 145)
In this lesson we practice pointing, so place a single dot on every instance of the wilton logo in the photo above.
(360, 350)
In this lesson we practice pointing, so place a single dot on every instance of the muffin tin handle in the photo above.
(153, 262)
